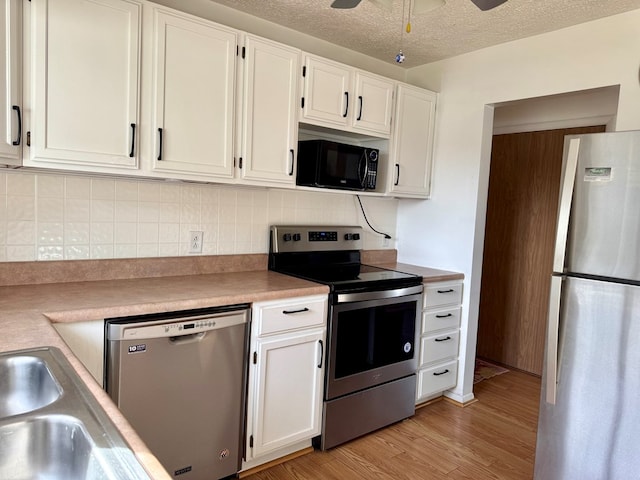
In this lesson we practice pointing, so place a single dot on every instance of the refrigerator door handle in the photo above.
(564, 205)
(553, 324)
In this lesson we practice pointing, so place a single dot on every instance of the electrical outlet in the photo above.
(195, 242)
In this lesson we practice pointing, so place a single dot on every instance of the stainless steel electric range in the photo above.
(370, 379)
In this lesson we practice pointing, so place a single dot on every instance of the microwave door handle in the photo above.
(360, 169)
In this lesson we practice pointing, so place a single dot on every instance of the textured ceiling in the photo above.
(455, 28)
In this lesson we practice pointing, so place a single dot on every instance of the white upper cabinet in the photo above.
(269, 112)
(412, 143)
(84, 84)
(194, 75)
(340, 97)
(326, 92)
(10, 83)
(373, 103)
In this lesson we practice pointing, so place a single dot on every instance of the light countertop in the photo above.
(29, 309)
(27, 313)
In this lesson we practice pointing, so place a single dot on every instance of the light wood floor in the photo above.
(493, 438)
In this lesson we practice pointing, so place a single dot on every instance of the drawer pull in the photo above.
(444, 316)
(441, 373)
(288, 312)
(443, 339)
(445, 291)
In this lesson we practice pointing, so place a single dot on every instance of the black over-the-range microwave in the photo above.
(327, 164)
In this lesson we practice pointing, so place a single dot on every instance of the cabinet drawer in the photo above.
(437, 379)
(438, 294)
(440, 319)
(434, 348)
(275, 317)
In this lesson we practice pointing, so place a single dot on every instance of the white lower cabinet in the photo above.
(284, 403)
(439, 339)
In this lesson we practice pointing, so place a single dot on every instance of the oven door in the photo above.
(371, 342)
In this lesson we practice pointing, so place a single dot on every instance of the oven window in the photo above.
(374, 337)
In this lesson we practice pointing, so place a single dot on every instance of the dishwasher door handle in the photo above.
(189, 338)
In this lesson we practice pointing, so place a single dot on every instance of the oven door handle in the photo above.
(378, 295)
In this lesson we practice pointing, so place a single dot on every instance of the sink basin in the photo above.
(52, 427)
(26, 384)
(51, 447)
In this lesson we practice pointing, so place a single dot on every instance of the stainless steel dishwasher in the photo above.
(179, 378)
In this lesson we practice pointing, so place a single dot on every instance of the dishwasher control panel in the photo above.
(125, 329)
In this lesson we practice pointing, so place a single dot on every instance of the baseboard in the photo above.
(460, 404)
(275, 462)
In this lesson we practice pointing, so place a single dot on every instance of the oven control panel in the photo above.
(304, 238)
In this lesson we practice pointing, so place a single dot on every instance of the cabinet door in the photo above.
(288, 390)
(10, 77)
(85, 81)
(373, 103)
(270, 105)
(194, 77)
(327, 93)
(412, 142)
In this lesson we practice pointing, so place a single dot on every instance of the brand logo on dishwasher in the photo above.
(137, 348)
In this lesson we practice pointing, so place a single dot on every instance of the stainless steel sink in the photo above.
(52, 427)
(26, 384)
(53, 446)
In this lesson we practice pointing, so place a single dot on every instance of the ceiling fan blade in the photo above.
(345, 3)
(423, 6)
(487, 4)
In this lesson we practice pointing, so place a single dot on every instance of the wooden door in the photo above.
(518, 251)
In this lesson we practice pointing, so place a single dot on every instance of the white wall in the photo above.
(69, 217)
(448, 230)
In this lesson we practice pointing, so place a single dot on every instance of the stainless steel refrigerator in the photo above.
(589, 425)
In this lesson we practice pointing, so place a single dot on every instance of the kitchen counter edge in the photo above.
(29, 311)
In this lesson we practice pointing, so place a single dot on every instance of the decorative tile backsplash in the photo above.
(62, 217)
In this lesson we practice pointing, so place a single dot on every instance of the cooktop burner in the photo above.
(331, 255)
